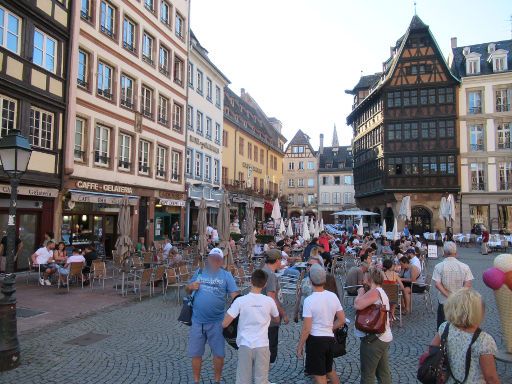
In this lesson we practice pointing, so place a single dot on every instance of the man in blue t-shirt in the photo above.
(210, 286)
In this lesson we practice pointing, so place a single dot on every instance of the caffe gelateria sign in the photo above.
(100, 187)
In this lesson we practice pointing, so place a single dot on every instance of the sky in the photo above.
(297, 57)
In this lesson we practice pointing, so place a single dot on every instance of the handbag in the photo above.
(373, 318)
(340, 341)
(185, 316)
(231, 331)
(433, 366)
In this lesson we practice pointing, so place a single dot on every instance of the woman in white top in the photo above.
(320, 310)
(374, 349)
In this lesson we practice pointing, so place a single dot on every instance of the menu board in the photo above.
(432, 251)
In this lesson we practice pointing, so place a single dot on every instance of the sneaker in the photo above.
(41, 281)
(47, 282)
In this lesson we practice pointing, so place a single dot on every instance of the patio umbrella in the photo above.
(450, 204)
(124, 242)
(201, 228)
(360, 227)
(405, 209)
(305, 231)
(276, 213)
(312, 227)
(395, 236)
(442, 208)
(384, 229)
(223, 226)
(354, 212)
(317, 229)
(322, 228)
(282, 228)
(250, 239)
(289, 230)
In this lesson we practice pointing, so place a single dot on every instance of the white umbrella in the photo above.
(354, 212)
(395, 236)
(322, 228)
(276, 211)
(442, 208)
(450, 204)
(305, 231)
(289, 230)
(360, 227)
(312, 226)
(405, 209)
(384, 229)
(282, 228)
(317, 229)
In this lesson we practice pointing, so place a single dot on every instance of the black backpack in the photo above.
(231, 331)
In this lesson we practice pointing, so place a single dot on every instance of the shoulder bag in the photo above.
(373, 318)
(434, 363)
(185, 316)
(340, 343)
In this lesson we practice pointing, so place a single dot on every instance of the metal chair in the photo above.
(173, 281)
(427, 294)
(141, 279)
(159, 275)
(394, 294)
(75, 270)
(346, 295)
(98, 272)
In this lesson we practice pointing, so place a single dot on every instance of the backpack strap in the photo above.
(468, 358)
(193, 293)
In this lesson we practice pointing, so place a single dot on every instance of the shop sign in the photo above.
(506, 200)
(171, 195)
(99, 199)
(254, 169)
(100, 187)
(203, 144)
(172, 203)
(31, 191)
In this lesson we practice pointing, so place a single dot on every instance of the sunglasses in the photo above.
(309, 265)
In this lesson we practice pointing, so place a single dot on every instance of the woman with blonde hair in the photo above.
(464, 312)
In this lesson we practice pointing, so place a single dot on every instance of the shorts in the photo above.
(202, 333)
(319, 355)
(62, 270)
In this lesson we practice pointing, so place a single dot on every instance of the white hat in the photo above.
(216, 252)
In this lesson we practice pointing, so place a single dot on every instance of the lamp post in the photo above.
(15, 154)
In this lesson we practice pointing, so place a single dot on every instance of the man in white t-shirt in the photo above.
(411, 254)
(76, 257)
(320, 309)
(167, 248)
(44, 258)
(256, 311)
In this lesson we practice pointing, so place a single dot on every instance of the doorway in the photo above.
(27, 225)
(421, 220)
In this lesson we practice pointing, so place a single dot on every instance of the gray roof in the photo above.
(201, 51)
(459, 62)
(337, 156)
(300, 138)
(365, 82)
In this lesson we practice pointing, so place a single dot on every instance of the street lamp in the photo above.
(15, 154)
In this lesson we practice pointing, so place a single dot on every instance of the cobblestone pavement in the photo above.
(145, 344)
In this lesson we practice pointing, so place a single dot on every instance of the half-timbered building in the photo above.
(405, 137)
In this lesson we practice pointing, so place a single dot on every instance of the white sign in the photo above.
(172, 203)
(100, 199)
(30, 191)
(432, 251)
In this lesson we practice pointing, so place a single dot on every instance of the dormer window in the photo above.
(491, 48)
(473, 67)
(499, 64)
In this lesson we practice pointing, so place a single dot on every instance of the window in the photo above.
(348, 180)
(190, 75)
(311, 199)
(301, 165)
(45, 49)
(217, 133)
(41, 128)
(176, 166)
(241, 146)
(325, 198)
(150, 6)
(105, 73)
(163, 61)
(325, 180)
(129, 36)
(78, 153)
(209, 89)
(146, 102)
(179, 26)
(473, 66)
(311, 165)
(475, 102)
(300, 183)
(224, 175)
(394, 99)
(199, 123)
(190, 117)
(102, 146)
(291, 183)
(311, 183)
(297, 149)
(198, 164)
(432, 96)
(477, 176)
(165, 13)
(8, 115)
(199, 81)
(249, 151)
(225, 138)
(161, 161)
(336, 197)
(300, 199)
(503, 100)
(176, 117)
(504, 136)
(476, 137)
(144, 147)
(147, 48)
(188, 162)
(178, 70)
(126, 91)
(291, 166)
(82, 69)
(216, 171)
(207, 167)
(241, 177)
(423, 97)
(10, 30)
(256, 153)
(262, 156)
(208, 128)
(107, 19)
(125, 152)
(337, 180)
(347, 198)
(499, 63)
(505, 176)
(217, 96)
(85, 9)
(163, 110)
(410, 98)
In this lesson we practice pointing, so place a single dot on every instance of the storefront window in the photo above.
(479, 214)
(505, 218)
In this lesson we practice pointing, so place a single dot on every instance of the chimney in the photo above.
(454, 42)
(391, 51)
(242, 92)
(321, 144)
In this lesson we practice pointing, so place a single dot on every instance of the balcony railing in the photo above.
(127, 102)
(101, 159)
(108, 32)
(163, 120)
(505, 145)
(146, 112)
(160, 173)
(476, 147)
(475, 110)
(147, 59)
(82, 83)
(478, 186)
(79, 154)
(163, 70)
(105, 93)
(129, 46)
(124, 164)
(505, 185)
(85, 15)
(144, 169)
(502, 107)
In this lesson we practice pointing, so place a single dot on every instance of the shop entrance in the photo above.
(421, 220)
(27, 224)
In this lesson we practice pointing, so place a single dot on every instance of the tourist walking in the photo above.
(255, 311)
(374, 348)
(320, 310)
(211, 285)
(464, 311)
(450, 275)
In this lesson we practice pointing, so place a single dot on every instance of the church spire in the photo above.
(335, 142)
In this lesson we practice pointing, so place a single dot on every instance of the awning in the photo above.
(172, 203)
(209, 203)
(258, 204)
(101, 198)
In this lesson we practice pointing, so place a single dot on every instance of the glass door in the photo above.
(27, 227)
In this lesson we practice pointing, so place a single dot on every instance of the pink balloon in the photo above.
(494, 278)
